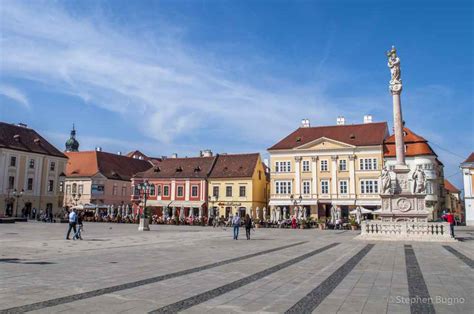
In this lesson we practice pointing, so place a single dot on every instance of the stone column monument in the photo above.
(400, 202)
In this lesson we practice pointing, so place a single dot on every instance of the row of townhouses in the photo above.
(314, 168)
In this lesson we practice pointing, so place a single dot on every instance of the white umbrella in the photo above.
(264, 213)
(333, 215)
(257, 212)
(305, 213)
(112, 210)
(284, 212)
(191, 212)
(181, 213)
(278, 213)
(128, 209)
(250, 212)
(173, 212)
(200, 212)
(97, 210)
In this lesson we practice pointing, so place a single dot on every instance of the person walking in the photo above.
(248, 225)
(236, 224)
(72, 223)
(78, 234)
(450, 220)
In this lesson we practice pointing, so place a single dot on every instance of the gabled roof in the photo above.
(367, 134)
(415, 145)
(193, 167)
(25, 139)
(235, 166)
(469, 159)
(112, 166)
(450, 187)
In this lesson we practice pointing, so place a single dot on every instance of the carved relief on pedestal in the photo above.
(403, 204)
(386, 204)
(421, 204)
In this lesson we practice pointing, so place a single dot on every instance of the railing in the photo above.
(424, 231)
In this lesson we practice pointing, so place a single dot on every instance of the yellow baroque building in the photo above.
(238, 183)
(319, 167)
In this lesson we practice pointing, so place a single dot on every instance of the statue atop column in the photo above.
(394, 65)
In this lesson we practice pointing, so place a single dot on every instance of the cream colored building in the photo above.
(328, 166)
(467, 168)
(31, 172)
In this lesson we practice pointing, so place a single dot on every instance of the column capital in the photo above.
(298, 159)
(334, 157)
(315, 158)
(352, 157)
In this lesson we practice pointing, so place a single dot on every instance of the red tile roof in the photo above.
(450, 187)
(470, 158)
(235, 166)
(112, 166)
(193, 167)
(416, 145)
(367, 134)
(26, 139)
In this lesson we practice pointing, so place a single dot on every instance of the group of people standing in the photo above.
(248, 224)
(75, 220)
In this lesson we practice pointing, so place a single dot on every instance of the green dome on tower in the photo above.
(72, 145)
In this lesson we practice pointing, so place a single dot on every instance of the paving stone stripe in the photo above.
(311, 301)
(469, 262)
(112, 289)
(420, 300)
(211, 294)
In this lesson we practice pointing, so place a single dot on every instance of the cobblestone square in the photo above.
(117, 269)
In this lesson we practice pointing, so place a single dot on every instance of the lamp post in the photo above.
(17, 195)
(144, 189)
(295, 201)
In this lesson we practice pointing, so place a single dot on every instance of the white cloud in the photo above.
(170, 89)
(14, 94)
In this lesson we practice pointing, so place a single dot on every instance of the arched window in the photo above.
(158, 190)
(152, 190)
(74, 188)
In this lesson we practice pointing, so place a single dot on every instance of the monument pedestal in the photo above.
(143, 226)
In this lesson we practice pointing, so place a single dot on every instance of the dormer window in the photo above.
(37, 141)
(352, 136)
(179, 169)
(197, 169)
(298, 139)
(156, 169)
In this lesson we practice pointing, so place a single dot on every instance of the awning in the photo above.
(280, 203)
(362, 210)
(369, 202)
(343, 202)
(158, 203)
(190, 204)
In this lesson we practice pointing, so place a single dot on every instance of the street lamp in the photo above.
(144, 189)
(17, 196)
(295, 201)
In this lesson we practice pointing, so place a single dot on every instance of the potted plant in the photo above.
(353, 224)
(303, 224)
(321, 224)
(257, 223)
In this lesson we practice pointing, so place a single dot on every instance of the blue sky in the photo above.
(233, 76)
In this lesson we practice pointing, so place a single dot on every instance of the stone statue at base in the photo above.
(419, 180)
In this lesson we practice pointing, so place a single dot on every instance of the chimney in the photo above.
(174, 155)
(23, 125)
(341, 120)
(368, 118)
(205, 153)
(305, 123)
(119, 153)
(98, 149)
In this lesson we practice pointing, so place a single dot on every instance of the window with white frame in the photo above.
(282, 166)
(80, 189)
(68, 189)
(158, 189)
(368, 163)
(369, 186)
(324, 186)
(427, 166)
(50, 185)
(324, 165)
(283, 187)
(242, 191)
(215, 191)
(228, 191)
(166, 190)
(32, 164)
(429, 187)
(306, 187)
(29, 185)
(342, 165)
(306, 166)
(12, 161)
(124, 190)
(194, 190)
(152, 190)
(343, 184)
(52, 166)
(180, 191)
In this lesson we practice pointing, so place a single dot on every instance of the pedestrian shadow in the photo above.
(464, 239)
(19, 261)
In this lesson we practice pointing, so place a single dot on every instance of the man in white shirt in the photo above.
(236, 224)
(72, 223)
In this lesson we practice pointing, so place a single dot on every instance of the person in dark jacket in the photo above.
(248, 225)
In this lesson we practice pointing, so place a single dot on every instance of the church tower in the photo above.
(72, 145)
